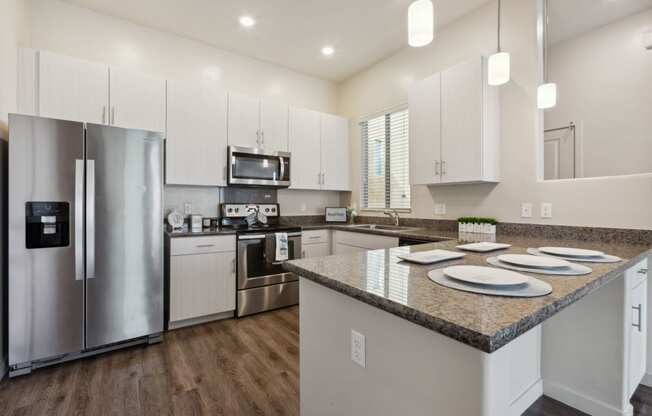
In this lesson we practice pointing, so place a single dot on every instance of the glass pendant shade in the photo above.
(547, 95)
(498, 71)
(421, 23)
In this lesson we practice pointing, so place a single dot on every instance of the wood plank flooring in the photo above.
(244, 367)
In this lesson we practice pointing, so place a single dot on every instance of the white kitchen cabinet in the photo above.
(352, 242)
(244, 120)
(202, 278)
(316, 243)
(137, 101)
(72, 89)
(335, 153)
(196, 145)
(305, 132)
(316, 250)
(424, 107)
(454, 127)
(274, 125)
(637, 336)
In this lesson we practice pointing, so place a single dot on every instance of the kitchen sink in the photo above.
(381, 227)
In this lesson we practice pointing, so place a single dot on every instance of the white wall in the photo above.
(614, 202)
(605, 85)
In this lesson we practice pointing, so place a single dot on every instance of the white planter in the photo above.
(477, 228)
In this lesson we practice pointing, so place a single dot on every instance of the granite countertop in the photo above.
(487, 323)
(417, 233)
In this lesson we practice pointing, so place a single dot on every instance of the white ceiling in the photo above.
(569, 18)
(288, 32)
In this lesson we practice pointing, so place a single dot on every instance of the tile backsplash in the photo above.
(204, 200)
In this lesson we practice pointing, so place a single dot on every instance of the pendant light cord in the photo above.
(499, 22)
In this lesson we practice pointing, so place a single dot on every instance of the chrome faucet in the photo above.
(393, 214)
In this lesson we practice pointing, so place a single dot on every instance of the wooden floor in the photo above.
(245, 367)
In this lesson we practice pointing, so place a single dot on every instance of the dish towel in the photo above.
(281, 246)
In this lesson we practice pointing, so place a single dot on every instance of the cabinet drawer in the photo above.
(316, 237)
(637, 274)
(197, 245)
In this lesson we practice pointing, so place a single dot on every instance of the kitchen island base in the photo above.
(409, 369)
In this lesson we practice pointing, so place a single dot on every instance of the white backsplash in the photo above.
(204, 200)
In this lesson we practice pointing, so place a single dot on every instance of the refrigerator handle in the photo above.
(79, 219)
(90, 219)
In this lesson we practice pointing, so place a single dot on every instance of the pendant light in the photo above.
(499, 63)
(547, 92)
(421, 23)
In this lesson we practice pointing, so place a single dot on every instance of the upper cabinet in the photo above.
(324, 138)
(196, 134)
(454, 127)
(255, 122)
(137, 101)
(72, 89)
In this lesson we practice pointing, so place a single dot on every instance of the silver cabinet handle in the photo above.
(90, 219)
(79, 219)
(205, 245)
(258, 138)
(103, 114)
(323, 178)
(262, 135)
(314, 237)
(437, 167)
(233, 263)
(113, 115)
(638, 310)
(642, 271)
(303, 254)
(443, 167)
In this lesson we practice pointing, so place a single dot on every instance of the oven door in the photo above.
(255, 167)
(256, 265)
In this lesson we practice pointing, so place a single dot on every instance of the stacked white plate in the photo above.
(538, 264)
(574, 254)
(489, 281)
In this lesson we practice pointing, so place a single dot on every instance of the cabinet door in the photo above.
(335, 153)
(274, 125)
(201, 285)
(72, 89)
(424, 105)
(304, 146)
(316, 250)
(461, 108)
(340, 248)
(638, 335)
(196, 134)
(244, 120)
(137, 101)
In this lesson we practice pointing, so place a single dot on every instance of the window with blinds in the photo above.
(385, 161)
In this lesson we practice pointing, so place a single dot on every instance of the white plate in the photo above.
(602, 259)
(571, 252)
(537, 262)
(481, 275)
(431, 256)
(533, 287)
(573, 270)
(483, 247)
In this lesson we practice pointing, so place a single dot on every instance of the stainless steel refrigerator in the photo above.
(85, 239)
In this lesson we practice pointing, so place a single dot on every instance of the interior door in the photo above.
(72, 89)
(46, 298)
(274, 125)
(244, 120)
(124, 276)
(424, 105)
(335, 153)
(461, 108)
(559, 154)
(196, 141)
(305, 134)
(137, 101)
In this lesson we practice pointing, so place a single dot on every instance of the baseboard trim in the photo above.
(647, 380)
(527, 398)
(584, 403)
(200, 320)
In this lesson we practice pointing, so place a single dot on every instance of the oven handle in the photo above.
(263, 236)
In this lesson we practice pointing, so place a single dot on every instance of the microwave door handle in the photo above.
(282, 159)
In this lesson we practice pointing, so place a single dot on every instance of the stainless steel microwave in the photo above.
(256, 167)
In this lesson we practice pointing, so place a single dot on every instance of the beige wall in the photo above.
(605, 85)
(612, 202)
(9, 28)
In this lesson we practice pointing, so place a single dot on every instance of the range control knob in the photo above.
(266, 209)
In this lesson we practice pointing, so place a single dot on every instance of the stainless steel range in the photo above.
(262, 284)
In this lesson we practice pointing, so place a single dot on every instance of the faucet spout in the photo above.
(393, 214)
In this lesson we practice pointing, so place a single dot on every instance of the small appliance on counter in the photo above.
(196, 223)
(261, 282)
(176, 221)
(336, 214)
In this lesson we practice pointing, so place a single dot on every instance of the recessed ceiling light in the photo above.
(327, 50)
(247, 21)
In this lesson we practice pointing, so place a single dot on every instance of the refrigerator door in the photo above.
(124, 267)
(46, 285)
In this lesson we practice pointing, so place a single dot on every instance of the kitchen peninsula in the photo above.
(427, 348)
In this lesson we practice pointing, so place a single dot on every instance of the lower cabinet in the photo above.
(202, 278)
(316, 243)
(350, 242)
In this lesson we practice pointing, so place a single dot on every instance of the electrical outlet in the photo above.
(187, 208)
(526, 210)
(440, 209)
(546, 210)
(358, 348)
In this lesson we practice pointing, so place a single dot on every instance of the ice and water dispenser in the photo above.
(47, 224)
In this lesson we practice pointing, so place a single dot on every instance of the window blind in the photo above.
(386, 161)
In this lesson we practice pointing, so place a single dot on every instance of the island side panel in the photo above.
(409, 369)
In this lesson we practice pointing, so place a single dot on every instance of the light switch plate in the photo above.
(440, 209)
(358, 348)
(187, 208)
(546, 210)
(526, 210)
